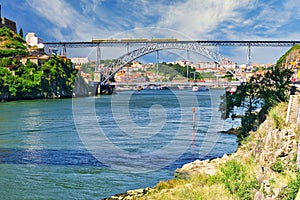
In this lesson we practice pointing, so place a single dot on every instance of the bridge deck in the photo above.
(81, 44)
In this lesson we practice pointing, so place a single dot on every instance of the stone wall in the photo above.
(9, 24)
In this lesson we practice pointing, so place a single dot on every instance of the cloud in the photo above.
(199, 19)
(90, 6)
(187, 20)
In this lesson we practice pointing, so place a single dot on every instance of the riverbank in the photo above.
(263, 167)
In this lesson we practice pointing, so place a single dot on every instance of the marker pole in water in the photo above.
(194, 116)
(193, 147)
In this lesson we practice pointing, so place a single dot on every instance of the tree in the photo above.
(259, 92)
(21, 33)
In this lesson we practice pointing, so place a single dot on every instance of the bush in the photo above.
(277, 115)
(6, 32)
(12, 52)
(291, 191)
(14, 45)
(236, 179)
(277, 166)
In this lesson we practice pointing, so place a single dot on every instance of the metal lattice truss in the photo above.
(109, 71)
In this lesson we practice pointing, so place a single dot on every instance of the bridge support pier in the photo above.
(104, 89)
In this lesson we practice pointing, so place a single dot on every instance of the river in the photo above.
(94, 147)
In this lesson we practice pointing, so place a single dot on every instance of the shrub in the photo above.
(292, 189)
(277, 115)
(236, 179)
(277, 166)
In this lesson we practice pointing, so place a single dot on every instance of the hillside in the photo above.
(50, 77)
(11, 44)
(291, 55)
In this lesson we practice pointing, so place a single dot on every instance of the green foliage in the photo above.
(55, 78)
(259, 92)
(21, 33)
(282, 59)
(236, 179)
(277, 166)
(292, 189)
(12, 52)
(13, 44)
(6, 32)
(277, 115)
(183, 70)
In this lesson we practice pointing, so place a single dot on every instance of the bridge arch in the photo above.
(109, 71)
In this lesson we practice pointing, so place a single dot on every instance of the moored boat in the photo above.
(200, 88)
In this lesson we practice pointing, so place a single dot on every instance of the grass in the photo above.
(197, 187)
(292, 189)
(278, 114)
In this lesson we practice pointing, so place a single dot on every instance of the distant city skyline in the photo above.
(84, 20)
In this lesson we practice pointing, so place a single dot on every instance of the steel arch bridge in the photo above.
(109, 71)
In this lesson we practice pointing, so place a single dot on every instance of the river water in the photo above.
(94, 147)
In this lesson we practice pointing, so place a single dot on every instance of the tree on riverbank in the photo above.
(262, 92)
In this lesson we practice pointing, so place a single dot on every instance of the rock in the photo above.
(259, 196)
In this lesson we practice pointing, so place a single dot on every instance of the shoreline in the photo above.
(141, 192)
(258, 155)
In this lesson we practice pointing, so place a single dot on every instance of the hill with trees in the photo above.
(52, 78)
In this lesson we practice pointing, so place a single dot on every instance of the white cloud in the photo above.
(190, 19)
(56, 11)
(198, 18)
(90, 6)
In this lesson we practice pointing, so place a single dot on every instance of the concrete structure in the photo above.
(8, 23)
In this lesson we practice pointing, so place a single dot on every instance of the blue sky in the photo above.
(83, 20)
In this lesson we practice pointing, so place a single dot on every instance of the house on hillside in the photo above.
(38, 60)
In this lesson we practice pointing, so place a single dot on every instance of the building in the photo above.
(38, 60)
(37, 43)
(80, 60)
(32, 40)
(8, 23)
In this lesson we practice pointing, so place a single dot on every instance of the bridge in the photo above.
(144, 46)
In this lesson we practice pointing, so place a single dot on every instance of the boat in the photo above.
(200, 88)
(195, 88)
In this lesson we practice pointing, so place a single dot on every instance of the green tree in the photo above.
(21, 33)
(259, 92)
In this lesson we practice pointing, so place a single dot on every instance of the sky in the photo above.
(84, 20)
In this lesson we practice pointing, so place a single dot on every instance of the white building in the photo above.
(79, 60)
(32, 40)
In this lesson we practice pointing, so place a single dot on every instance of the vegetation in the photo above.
(232, 181)
(178, 69)
(283, 59)
(237, 179)
(291, 191)
(53, 78)
(277, 166)
(260, 92)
